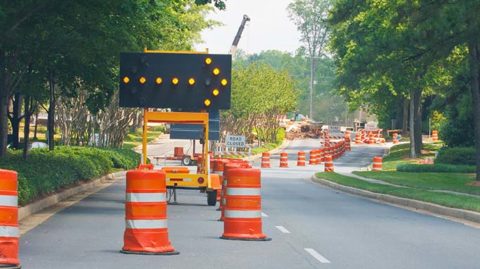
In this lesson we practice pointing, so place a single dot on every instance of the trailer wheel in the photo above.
(212, 198)
(186, 160)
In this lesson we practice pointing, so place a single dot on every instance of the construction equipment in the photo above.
(236, 40)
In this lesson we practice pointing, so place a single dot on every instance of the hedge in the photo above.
(460, 156)
(438, 168)
(45, 172)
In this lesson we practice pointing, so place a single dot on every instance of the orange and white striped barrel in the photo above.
(320, 154)
(218, 168)
(9, 232)
(146, 230)
(358, 137)
(283, 160)
(329, 163)
(313, 157)
(243, 208)
(265, 160)
(228, 165)
(301, 158)
(377, 163)
(395, 138)
(435, 136)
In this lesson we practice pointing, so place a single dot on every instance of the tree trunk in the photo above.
(51, 114)
(413, 154)
(418, 122)
(26, 128)
(405, 117)
(3, 107)
(15, 120)
(36, 127)
(474, 51)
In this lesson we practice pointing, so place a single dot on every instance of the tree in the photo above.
(310, 17)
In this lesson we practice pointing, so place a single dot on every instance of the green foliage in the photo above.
(437, 168)
(458, 156)
(46, 172)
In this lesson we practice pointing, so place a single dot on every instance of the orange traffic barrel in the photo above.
(146, 230)
(313, 157)
(148, 166)
(283, 160)
(320, 154)
(265, 160)
(9, 232)
(435, 136)
(227, 167)
(348, 146)
(377, 163)
(218, 168)
(328, 163)
(358, 138)
(243, 207)
(178, 152)
(301, 158)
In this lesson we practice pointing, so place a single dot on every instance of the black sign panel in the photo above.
(175, 80)
(192, 131)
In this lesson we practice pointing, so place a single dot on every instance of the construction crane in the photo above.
(233, 49)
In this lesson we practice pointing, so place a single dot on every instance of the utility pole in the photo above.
(312, 81)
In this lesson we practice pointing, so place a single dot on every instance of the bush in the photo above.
(46, 172)
(460, 156)
(435, 168)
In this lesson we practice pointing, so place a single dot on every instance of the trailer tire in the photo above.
(186, 160)
(212, 198)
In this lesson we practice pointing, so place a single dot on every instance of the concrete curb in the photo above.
(53, 199)
(413, 205)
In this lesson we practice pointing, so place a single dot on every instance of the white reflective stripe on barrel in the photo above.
(243, 191)
(146, 224)
(8, 200)
(146, 197)
(9, 231)
(247, 214)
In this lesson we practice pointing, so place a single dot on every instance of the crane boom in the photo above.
(233, 49)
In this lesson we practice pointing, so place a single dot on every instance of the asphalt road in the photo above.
(311, 226)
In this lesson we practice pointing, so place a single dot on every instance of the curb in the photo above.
(53, 199)
(414, 205)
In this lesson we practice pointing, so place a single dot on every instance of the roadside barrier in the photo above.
(148, 166)
(377, 163)
(265, 160)
(9, 232)
(146, 230)
(301, 158)
(283, 160)
(328, 164)
(243, 208)
(435, 136)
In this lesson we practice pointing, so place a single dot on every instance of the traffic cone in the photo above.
(9, 232)
(265, 160)
(146, 230)
(435, 136)
(329, 164)
(377, 163)
(283, 160)
(243, 208)
(301, 158)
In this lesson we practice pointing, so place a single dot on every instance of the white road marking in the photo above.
(282, 229)
(264, 215)
(317, 255)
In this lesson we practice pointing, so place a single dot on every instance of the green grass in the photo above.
(134, 139)
(444, 199)
(427, 181)
(436, 168)
(400, 154)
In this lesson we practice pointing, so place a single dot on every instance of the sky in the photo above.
(269, 27)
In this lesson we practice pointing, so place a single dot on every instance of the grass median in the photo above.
(415, 193)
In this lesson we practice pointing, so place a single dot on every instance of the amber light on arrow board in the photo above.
(175, 81)
(215, 92)
(158, 80)
(207, 102)
(224, 82)
(126, 80)
(142, 80)
(208, 61)
(216, 71)
(191, 81)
